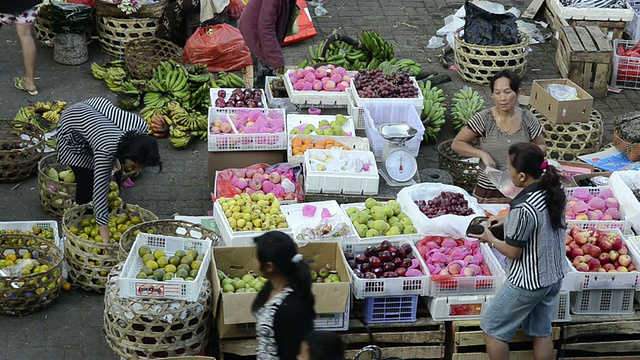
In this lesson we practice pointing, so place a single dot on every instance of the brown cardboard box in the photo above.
(236, 159)
(234, 312)
(557, 111)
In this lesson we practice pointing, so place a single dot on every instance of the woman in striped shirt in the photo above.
(534, 231)
(97, 139)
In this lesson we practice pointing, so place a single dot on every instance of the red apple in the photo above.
(632, 267)
(574, 245)
(585, 248)
(574, 231)
(592, 240)
(587, 257)
(594, 264)
(595, 251)
(624, 260)
(583, 267)
(622, 269)
(609, 267)
(567, 239)
(604, 246)
(616, 244)
(579, 260)
(401, 271)
(601, 270)
(375, 262)
(568, 250)
(581, 238)
(604, 258)
(576, 252)
(623, 250)
(613, 255)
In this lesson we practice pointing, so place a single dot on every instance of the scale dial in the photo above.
(401, 165)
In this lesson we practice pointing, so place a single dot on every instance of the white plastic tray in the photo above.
(418, 102)
(297, 221)
(413, 237)
(213, 94)
(215, 192)
(623, 225)
(353, 142)
(176, 288)
(237, 238)
(294, 120)
(316, 97)
(235, 141)
(566, 12)
(28, 226)
(325, 182)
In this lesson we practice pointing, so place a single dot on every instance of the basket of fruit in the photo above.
(30, 273)
(90, 259)
(281, 180)
(57, 185)
(46, 229)
(626, 137)
(144, 328)
(21, 147)
(464, 171)
(174, 228)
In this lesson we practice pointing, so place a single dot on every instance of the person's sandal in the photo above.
(19, 84)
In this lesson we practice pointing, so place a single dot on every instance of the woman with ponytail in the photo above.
(533, 243)
(284, 306)
(97, 140)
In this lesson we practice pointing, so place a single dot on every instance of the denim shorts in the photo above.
(514, 306)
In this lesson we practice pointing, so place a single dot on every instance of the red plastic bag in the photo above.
(82, 2)
(235, 9)
(220, 47)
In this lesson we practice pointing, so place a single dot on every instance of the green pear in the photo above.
(338, 132)
(380, 225)
(406, 222)
(363, 217)
(409, 230)
(341, 119)
(401, 216)
(323, 122)
(52, 173)
(388, 210)
(327, 132)
(370, 223)
(362, 230)
(393, 231)
(352, 210)
(379, 214)
(295, 131)
(228, 288)
(398, 225)
(63, 173)
(372, 233)
(69, 178)
(392, 220)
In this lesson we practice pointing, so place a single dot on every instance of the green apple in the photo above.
(372, 233)
(352, 210)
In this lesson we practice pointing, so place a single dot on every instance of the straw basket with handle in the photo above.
(143, 55)
(626, 137)
(21, 147)
(464, 173)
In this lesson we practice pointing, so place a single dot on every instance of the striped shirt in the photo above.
(88, 137)
(528, 226)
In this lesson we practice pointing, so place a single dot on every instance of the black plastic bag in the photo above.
(69, 18)
(485, 28)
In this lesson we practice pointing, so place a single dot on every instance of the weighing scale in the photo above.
(399, 166)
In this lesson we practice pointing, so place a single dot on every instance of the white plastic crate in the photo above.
(622, 225)
(235, 141)
(328, 182)
(602, 302)
(417, 102)
(336, 98)
(633, 26)
(561, 309)
(473, 285)
(378, 114)
(353, 142)
(366, 288)
(448, 308)
(297, 221)
(294, 120)
(28, 226)
(598, 14)
(625, 71)
(176, 288)
(357, 112)
(215, 192)
(213, 94)
(333, 322)
(237, 238)
(412, 237)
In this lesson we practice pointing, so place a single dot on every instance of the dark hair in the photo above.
(528, 158)
(324, 345)
(279, 249)
(514, 79)
(139, 148)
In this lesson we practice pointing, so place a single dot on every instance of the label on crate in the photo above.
(465, 309)
(157, 290)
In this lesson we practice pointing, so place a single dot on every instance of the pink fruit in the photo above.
(307, 86)
(267, 186)
(592, 215)
(329, 85)
(321, 72)
(298, 86)
(612, 212)
(599, 213)
(580, 207)
(309, 77)
(290, 196)
(415, 272)
(278, 190)
(274, 177)
(255, 184)
(606, 193)
(581, 193)
(596, 203)
(317, 85)
(336, 78)
(611, 203)
(583, 267)
(241, 184)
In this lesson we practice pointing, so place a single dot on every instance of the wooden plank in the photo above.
(563, 59)
(585, 39)
(463, 338)
(532, 9)
(599, 38)
(410, 352)
(573, 330)
(601, 80)
(576, 71)
(608, 348)
(513, 355)
(403, 337)
(575, 45)
(242, 347)
(602, 358)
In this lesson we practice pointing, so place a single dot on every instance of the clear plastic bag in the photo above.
(502, 180)
(562, 92)
(328, 228)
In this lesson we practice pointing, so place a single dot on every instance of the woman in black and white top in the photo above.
(284, 306)
(97, 139)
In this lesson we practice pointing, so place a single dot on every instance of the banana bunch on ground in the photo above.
(44, 115)
(199, 98)
(99, 72)
(229, 80)
(115, 77)
(149, 111)
(180, 139)
(394, 65)
(466, 103)
(159, 125)
(199, 75)
(190, 121)
(433, 114)
(339, 53)
(379, 47)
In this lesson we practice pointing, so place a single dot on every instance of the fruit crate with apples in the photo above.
(306, 218)
(213, 94)
(390, 309)
(586, 279)
(595, 191)
(341, 182)
(353, 142)
(365, 288)
(361, 206)
(24, 226)
(234, 140)
(237, 238)
(312, 97)
(176, 288)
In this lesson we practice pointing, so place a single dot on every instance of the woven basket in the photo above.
(55, 196)
(478, 63)
(177, 228)
(21, 147)
(90, 261)
(145, 54)
(631, 151)
(155, 10)
(22, 295)
(131, 174)
(43, 31)
(565, 142)
(154, 328)
(463, 173)
(115, 33)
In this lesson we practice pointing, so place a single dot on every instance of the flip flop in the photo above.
(19, 84)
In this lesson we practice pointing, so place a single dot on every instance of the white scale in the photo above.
(399, 166)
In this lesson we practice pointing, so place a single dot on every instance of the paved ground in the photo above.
(71, 329)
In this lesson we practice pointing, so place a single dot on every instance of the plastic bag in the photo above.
(533, 32)
(486, 28)
(502, 180)
(82, 2)
(235, 9)
(69, 18)
(326, 229)
(228, 182)
(435, 42)
(445, 225)
(562, 92)
(221, 47)
(451, 24)
(622, 184)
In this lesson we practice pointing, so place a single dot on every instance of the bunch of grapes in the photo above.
(376, 84)
(447, 203)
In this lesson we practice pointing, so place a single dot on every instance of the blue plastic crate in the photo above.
(390, 309)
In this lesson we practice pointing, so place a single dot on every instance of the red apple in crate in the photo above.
(613, 255)
(579, 260)
(581, 238)
(568, 250)
(574, 245)
(574, 231)
(576, 252)
(604, 258)
(377, 271)
(616, 244)
(594, 264)
(623, 250)
(375, 262)
(604, 246)
(632, 267)
(585, 248)
(592, 240)
(622, 269)
(587, 257)
(609, 267)
(595, 251)
(624, 260)
(567, 239)
(583, 267)
(601, 269)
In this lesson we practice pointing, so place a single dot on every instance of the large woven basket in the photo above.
(90, 261)
(22, 295)
(137, 328)
(145, 54)
(115, 33)
(479, 63)
(55, 196)
(565, 142)
(631, 151)
(464, 173)
(21, 147)
(155, 10)
(176, 228)
(45, 35)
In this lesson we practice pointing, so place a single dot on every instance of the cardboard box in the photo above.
(557, 111)
(234, 311)
(221, 160)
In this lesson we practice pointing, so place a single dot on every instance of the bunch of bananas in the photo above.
(466, 103)
(149, 111)
(433, 114)
(379, 47)
(339, 53)
(44, 115)
(190, 121)
(394, 65)
(229, 80)
(159, 125)
(99, 72)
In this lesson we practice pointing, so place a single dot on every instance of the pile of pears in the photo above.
(65, 175)
(248, 283)
(325, 275)
(380, 220)
(333, 128)
(255, 212)
(161, 267)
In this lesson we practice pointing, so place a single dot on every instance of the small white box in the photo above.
(28, 226)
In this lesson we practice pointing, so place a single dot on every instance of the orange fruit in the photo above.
(329, 141)
(66, 286)
(304, 147)
(307, 141)
(319, 143)
(296, 142)
(337, 144)
(297, 150)
(346, 148)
